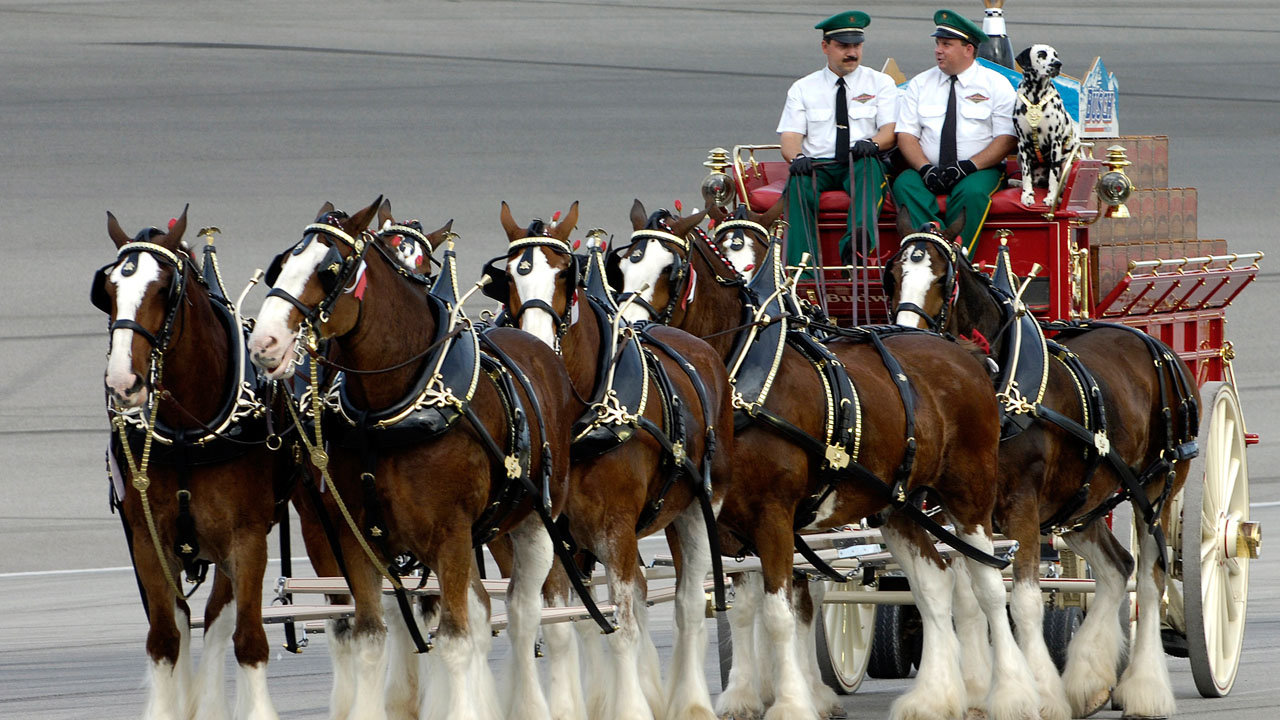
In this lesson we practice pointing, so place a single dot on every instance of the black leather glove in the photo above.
(864, 149)
(953, 174)
(801, 165)
(932, 177)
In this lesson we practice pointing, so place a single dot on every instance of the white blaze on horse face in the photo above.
(651, 269)
(537, 283)
(272, 339)
(917, 278)
(743, 258)
(131, 290)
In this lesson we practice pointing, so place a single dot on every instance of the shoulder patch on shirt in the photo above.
(977, 98)
(864, 97)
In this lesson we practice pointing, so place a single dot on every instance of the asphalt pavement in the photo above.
(258, 113)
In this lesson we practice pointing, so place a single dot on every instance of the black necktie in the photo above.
(842, 121)
(947, 143)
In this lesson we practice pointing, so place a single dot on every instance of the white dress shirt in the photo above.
(811, 108)
(984, 109)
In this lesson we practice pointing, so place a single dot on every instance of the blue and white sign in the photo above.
(1099, 103)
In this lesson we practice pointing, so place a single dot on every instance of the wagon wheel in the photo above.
(1216, 542)
(844, 635)
(891, 649)
(1060, 625)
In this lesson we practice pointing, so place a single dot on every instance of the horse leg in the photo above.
(533, 560)
(337, 632)
(168, 636)
(974, 637)
(648, 665)
(248, 564)
(806, 598)
(741, 698)
(565, 698)
(938, 692)
(1145, 690)
(628, 700)
(1026, 604)
(403, 694)
(1013, 690)
(209, 701)
(688, 697)
(368, 635)
(1093, 656)
(775, 543)
(464, 692)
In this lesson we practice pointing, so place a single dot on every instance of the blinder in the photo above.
(333, 271)
(677, 276)
(913, 243)
(499, 286)
(128, 254)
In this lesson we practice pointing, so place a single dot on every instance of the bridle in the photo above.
(128, 253)
(499, 287)
(679, 278)
(337, 274)
(917, 242)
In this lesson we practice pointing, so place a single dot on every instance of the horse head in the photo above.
(141, 292)
(654, 266)
(743, 236)
(318, 283)
(407, 242)
(538, 273)
(921, 279)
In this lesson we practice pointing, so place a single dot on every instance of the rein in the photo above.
(315, 354)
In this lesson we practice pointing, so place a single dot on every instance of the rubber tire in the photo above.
(1060, 625)
(891, 653)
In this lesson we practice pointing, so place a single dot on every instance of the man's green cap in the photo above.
(951, 24)
(846, 27)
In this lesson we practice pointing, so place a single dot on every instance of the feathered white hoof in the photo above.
(740, 702)
(1141, 698)
(927, 704)
(791, 711)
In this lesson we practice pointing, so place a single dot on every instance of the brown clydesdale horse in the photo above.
(195, 482)
(782, 485)
(633, 486)
(433, 444)
(1141, 411)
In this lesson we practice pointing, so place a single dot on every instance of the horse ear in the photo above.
(437, 237)
(384, 213)
(638, 216)
(566, 226)
(1024, 59)
(953, 230)
(717, 213)
(325, 209)
(686, 224)
(514, 232)
(173, 237)
(360, 221)
(114, 231)
(904, 224)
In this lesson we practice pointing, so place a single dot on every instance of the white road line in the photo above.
(95, 571)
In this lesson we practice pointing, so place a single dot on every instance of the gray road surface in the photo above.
(257, 113)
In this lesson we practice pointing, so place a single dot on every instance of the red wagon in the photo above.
(1120, 246)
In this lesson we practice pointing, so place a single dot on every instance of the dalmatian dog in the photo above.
(1047, 137)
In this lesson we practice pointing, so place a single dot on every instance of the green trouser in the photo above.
(972, 195)
(802, 209)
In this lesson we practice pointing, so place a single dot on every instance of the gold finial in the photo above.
(208, 234)
(717, 160)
